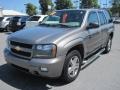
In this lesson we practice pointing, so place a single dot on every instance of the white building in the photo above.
(1, 12)
(10, 13)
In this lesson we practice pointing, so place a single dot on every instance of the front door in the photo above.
(94, 39)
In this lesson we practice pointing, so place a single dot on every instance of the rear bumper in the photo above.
(54, 66)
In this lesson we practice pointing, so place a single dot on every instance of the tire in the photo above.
(71, 69)
(108, 46)
(6, 28)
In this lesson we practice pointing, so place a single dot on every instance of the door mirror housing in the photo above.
(110, 20)
(92, 25)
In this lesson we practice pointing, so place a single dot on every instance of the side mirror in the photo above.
(92, 25)
(111, 20)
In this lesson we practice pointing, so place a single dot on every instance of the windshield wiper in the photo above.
(63, 25)
(44, 24)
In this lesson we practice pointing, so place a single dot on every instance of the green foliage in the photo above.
(90, 4)
(31, 9)
(115, 7)
(63, 4)
(44, 5)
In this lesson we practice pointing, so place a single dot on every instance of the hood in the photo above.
(39, 35)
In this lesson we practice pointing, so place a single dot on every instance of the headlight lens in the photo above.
(45, 51)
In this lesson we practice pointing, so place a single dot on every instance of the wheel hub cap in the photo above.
(73, 66)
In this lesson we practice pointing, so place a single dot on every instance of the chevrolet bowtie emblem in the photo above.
(17, 48)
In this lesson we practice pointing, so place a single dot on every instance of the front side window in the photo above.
(65, 18)
(93, 18)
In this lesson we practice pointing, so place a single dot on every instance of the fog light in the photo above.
(43, 69)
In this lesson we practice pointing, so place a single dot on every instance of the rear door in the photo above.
(104, 27)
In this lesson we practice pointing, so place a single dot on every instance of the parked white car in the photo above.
(34, 20)
(4, 22)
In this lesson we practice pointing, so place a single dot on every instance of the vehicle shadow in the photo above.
(6, 32)
(23, 81)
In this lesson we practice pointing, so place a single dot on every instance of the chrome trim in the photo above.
(22, 49)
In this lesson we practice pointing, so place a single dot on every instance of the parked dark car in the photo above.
(17, 23)
(4, 22)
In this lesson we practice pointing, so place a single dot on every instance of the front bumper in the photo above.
(54, 65)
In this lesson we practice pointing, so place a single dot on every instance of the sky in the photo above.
(18, 5)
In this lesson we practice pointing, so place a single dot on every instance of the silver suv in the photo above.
(4, 22)
(63, 44)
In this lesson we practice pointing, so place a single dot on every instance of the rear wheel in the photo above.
(108, 45)
(6, 28)
(72, 66)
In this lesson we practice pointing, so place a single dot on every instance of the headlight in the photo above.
(45, 51)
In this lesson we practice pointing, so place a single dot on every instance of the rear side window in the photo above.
(102, 18)
(108, 17)
(34, 18)
(93, 18)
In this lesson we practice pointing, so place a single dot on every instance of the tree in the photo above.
(44, 4)
(63, 4)
(89, 4)
(115, 7)
(31, 9)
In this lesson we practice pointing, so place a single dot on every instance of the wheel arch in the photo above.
(79, 47)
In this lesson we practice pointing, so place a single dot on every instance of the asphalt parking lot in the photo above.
(102, 74)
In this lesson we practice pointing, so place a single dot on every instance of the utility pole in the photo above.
(76, 2)
(106, 4)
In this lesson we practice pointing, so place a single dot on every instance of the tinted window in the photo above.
(34, 18)
(102, 18)
(24, 18)
(16, 19)
(1, 18)
(93, 18)
(72, 16)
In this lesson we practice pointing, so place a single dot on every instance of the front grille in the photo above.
(26, 54)
(21, 44)
(21, 49)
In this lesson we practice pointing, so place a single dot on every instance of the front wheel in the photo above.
(108, 45)
(72, 66)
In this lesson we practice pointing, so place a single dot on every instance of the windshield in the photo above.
(68, 18)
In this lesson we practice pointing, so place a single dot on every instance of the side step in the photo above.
(87, 62)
